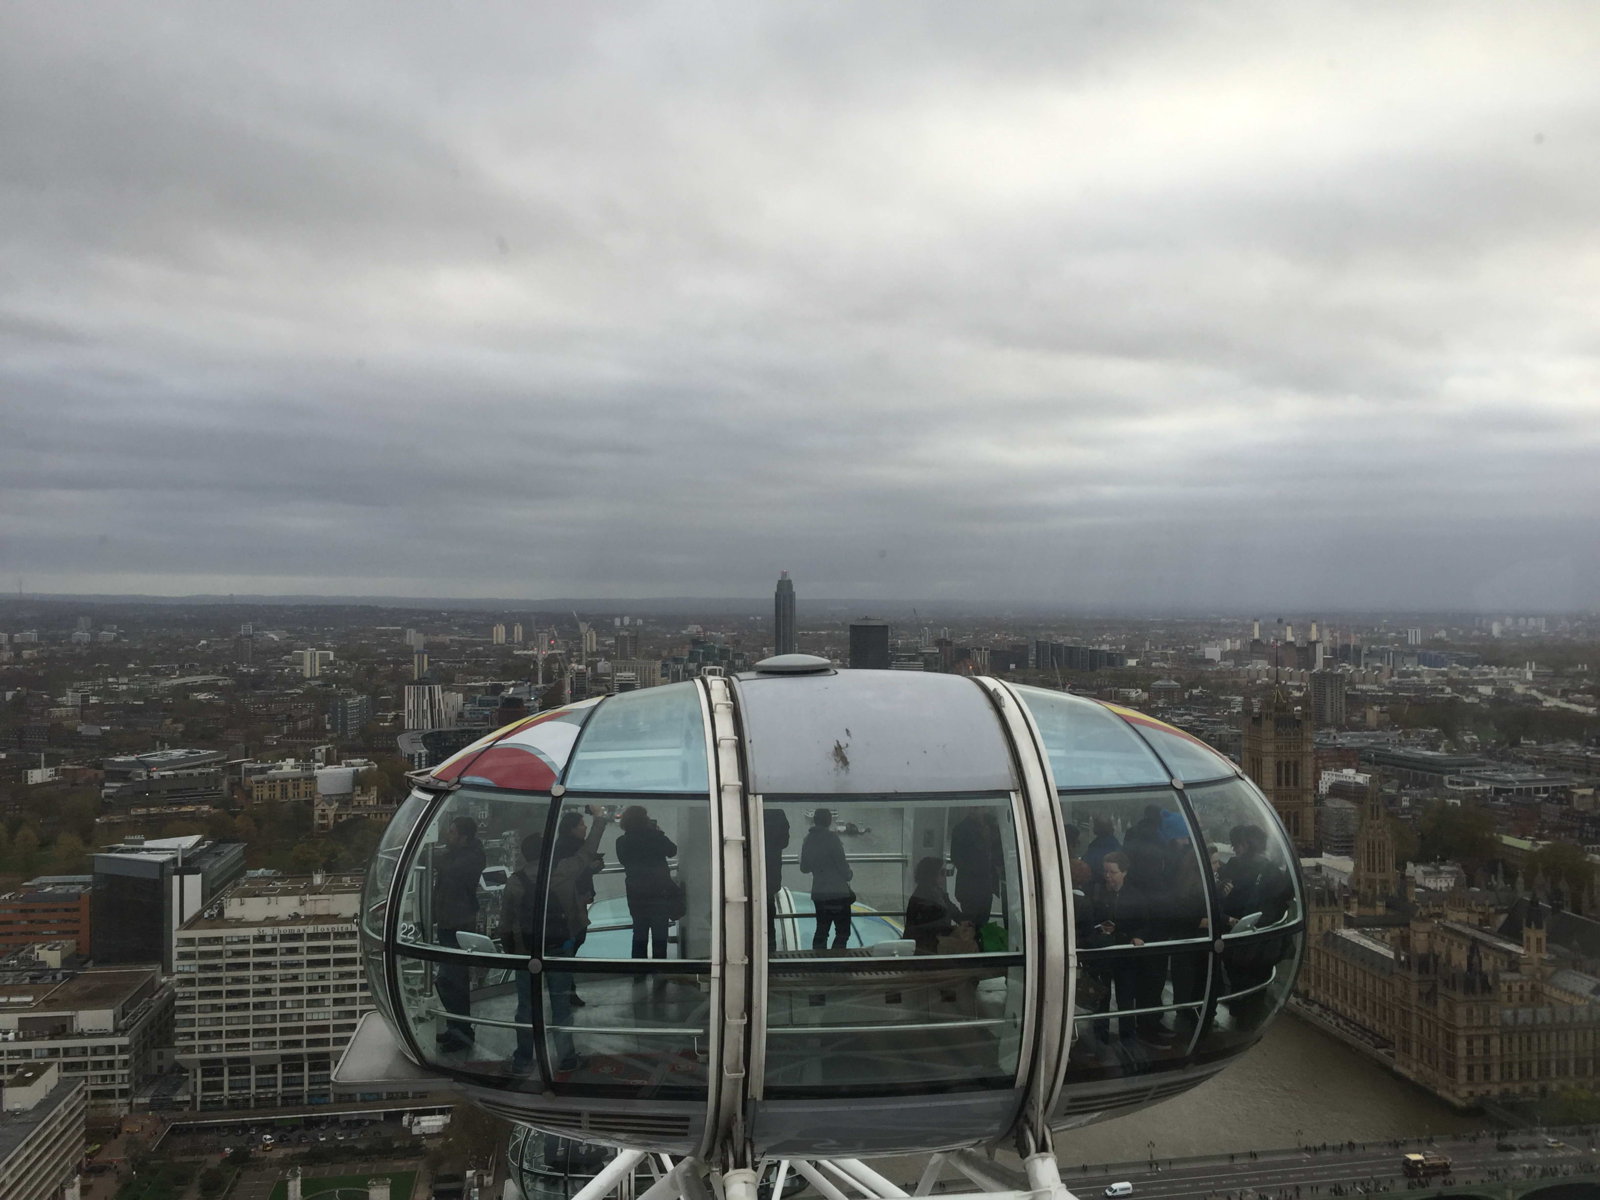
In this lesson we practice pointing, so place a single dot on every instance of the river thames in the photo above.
(1298, 1085)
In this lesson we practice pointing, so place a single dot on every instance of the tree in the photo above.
(68, 854)
(308, 856)
(1462, 834)
(221, 827)
(1406, 843)
(24, 858)
(212, 1181)
(78, 813)
(1563, 865)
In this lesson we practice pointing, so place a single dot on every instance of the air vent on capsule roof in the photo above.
(793, 664)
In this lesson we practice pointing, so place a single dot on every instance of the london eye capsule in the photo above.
(811, 913)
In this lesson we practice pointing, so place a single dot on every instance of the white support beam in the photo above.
(600, 1186)
(930, 1174)
(818, 1180)
(869, 1179)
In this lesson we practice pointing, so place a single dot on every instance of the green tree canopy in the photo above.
(24, 857)
(1563, 865)
(1462, 834)
(68, 855)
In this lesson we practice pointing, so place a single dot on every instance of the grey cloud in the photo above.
(1189, 304)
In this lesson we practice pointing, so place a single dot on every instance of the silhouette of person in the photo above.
(519, 934)
(930, 912)
(822, 857)
(652, 893)
(975, 853)
(457, 868)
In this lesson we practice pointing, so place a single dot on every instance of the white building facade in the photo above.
(270, 989)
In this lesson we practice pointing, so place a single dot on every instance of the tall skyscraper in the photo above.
(783, 639)
(869, 644)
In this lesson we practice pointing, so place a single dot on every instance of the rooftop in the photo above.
(296, 885)
(1482, 935)
(16, 1128)
(86, 989)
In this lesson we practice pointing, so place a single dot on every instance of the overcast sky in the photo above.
(1196, 305)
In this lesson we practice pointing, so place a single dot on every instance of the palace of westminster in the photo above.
(1474, 995)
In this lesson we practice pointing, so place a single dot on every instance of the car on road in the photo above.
(1120, 1189)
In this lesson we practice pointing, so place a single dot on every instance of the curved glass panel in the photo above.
(503, 882)
(630, 884)
(547, 1167)
(1137, 875)
(1136, 1013)
(375, 894)
(1188, 758)
(1254, 977)
(385, 863)
(1089, 746)
(895, 933)
(467, 1002)
(647, 741)
(857, 733)
(1255, 867)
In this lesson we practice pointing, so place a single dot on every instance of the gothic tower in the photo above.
(1279, 756)
(1373, 880)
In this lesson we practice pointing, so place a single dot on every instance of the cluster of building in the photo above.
(168, 979)
(172, 978)
(1481, 996)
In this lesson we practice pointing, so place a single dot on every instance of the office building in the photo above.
(430, 706)
(869, 644)
(1327, 698)
(270, 988)
(164, 777)
(50, 909)
(144, 890)
(274, 783)
(106, 1027)
(348, 714)
(1277, 753)
(783, 633)
(43, 1128)
(626, 644)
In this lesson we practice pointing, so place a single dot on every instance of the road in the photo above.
(1302, 1174)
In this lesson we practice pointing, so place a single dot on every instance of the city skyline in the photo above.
(1199, 307)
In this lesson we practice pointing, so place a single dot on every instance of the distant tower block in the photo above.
(869, 644)
(378, 1189)
(783, 635)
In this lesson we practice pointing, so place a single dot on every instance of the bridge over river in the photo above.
(1551, 1165)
